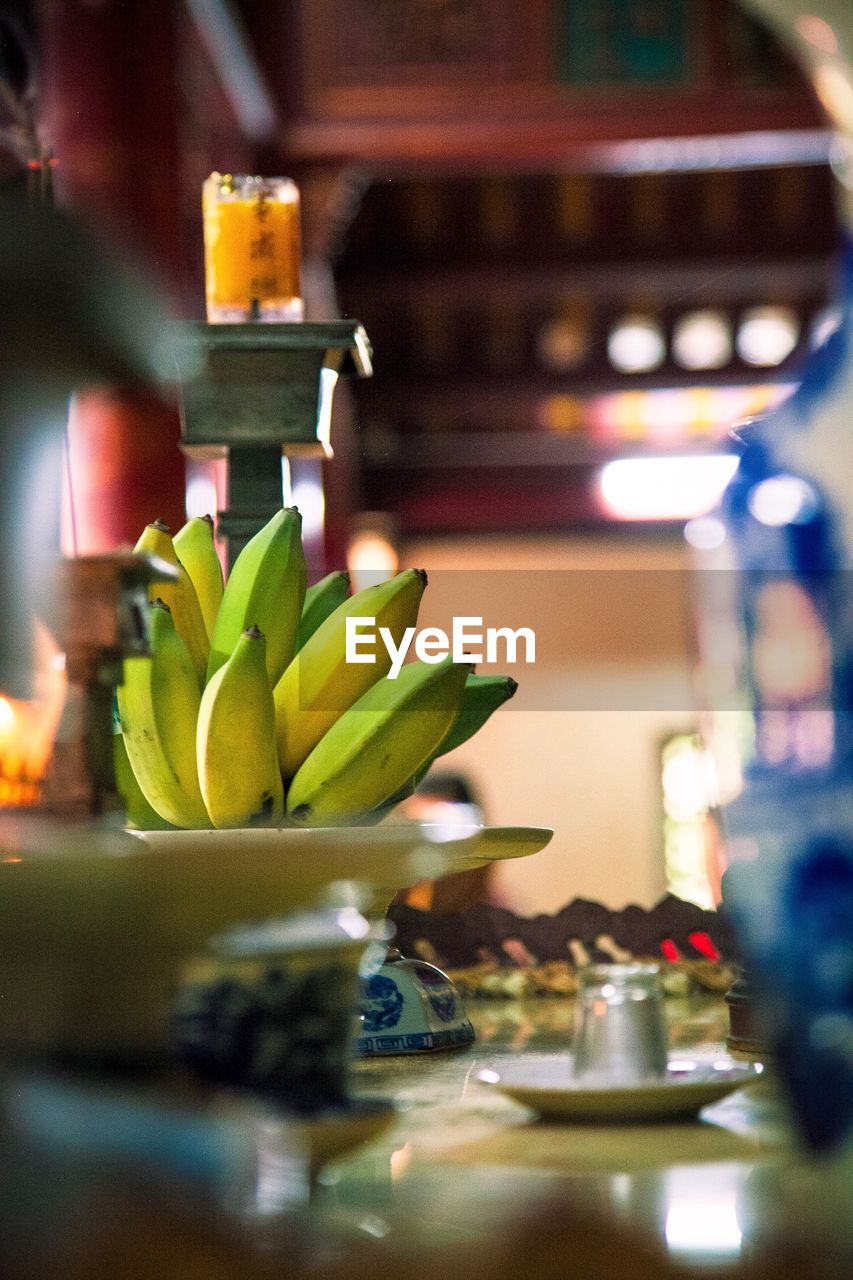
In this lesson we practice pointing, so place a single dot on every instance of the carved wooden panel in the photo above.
(403, 57)
(490, 302)
(531, 81)
(355, 53)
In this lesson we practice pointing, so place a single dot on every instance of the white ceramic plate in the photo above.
(208, 879)
(224, 876)
(545, 1085)
(495, 844)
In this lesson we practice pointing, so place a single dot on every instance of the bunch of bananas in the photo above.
(247, 712)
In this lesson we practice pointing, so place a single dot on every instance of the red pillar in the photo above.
(111, 113)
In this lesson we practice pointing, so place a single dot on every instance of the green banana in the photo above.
(179, 596)
(321, 600)
(139, 813)
(481, 697)
(319, 685)
(158, 706)
(265, 589)
(237, 761)
(196, 551)
(377, 744)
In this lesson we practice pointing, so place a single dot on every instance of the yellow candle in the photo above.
(252, 249)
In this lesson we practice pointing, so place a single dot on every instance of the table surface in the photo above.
(461, 1162)
(460, 1181)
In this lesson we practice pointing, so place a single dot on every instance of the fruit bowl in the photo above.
(218, 878)
(408, 1006)
(96, 926)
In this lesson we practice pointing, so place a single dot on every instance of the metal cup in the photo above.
(620, 1031)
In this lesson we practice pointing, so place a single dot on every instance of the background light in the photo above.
(702, 340)
(636, 344)
(201, 495)
(818, 33)
(562, 344)
(705, 533)
(832, 85)
(824, 325)
(782, 500)
(669, 488)
(7, 716)
(767, 335)
(307, 495)
(703, 1225)
(372, 551)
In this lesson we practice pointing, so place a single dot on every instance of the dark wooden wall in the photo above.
(490, 119)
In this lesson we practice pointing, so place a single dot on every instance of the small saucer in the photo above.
(544, 1084)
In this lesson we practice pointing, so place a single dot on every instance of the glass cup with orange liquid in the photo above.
(252, 249)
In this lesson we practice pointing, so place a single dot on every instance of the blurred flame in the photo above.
(400, 1161)
(28, 726)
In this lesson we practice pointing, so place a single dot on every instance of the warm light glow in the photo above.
(201, 495)
(767, 335)
(7, 717)
(833, 88)
(400, 1161)
(307, 495)
(703, 1223)
(663, 415)
(668, 488)
(562, 344)
(685, 781)
(792, 655)
(636, 344)
(730, 735)
(782, 500)
(702, 340)
(817, 33)
(371, 558)
(28, 727)
(687, 786)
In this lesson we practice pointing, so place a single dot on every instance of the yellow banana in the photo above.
(180, 596)
(196, 551)
(265, 589)
(375, 746)
(321, 600)
(320, 684)
(158, 707)
(139, 813)
(481, 696)
(237, 761)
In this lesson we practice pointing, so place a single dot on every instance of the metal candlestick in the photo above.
(103, 619)
(255, 392)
